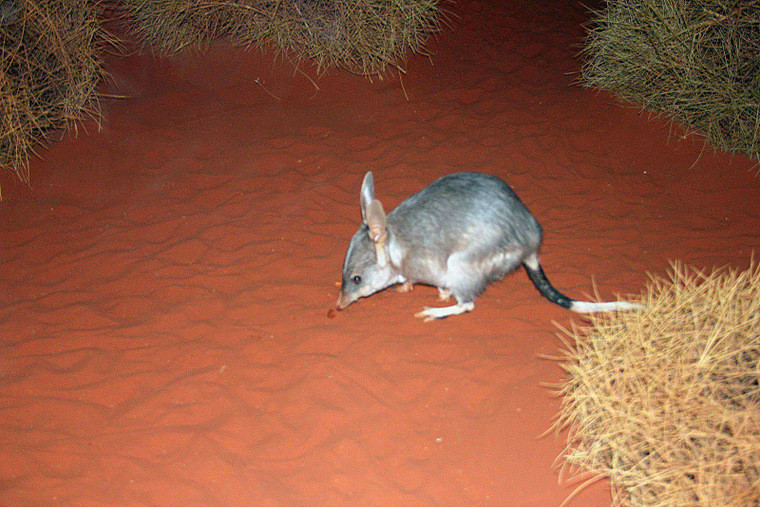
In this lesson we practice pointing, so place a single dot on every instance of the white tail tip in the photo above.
(589, 307)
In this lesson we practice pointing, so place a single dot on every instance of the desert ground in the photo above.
(167, 279)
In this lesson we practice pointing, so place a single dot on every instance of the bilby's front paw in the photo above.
(405, 287)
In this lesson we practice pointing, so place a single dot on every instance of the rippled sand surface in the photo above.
(165, 283)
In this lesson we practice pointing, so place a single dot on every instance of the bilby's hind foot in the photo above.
(428, 314)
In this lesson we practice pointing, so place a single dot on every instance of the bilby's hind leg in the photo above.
(464, 281)
(428, 314)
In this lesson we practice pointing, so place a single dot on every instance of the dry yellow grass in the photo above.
(665, 401)
(361, 36)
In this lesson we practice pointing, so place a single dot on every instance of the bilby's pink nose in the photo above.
(343, 301)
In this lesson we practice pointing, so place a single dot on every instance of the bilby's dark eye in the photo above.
(357, 279)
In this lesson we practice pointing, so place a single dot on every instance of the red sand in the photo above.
(166, 282)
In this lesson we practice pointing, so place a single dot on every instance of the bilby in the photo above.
(459, 234)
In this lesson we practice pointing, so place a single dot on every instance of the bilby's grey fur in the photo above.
(460, 233)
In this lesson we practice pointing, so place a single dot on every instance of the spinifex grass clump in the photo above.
(170, 26)
(665, 401)
(48, 72)
(361, 36)
(697, 61)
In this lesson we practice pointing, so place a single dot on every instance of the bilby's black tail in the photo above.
(537, 276)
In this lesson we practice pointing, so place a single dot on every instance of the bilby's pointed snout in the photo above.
(343, 301)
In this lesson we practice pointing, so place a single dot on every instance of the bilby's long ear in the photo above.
(375, 219)
(367, 194)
